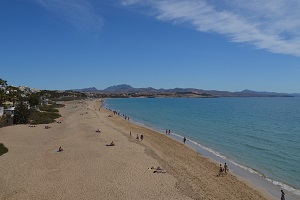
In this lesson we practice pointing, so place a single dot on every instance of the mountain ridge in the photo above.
(127, 89)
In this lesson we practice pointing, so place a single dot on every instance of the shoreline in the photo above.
(160, 134)
(88, 169)
(253, 177)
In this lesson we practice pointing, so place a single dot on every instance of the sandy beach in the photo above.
(88, 169)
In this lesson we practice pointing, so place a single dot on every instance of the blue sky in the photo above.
(227, 45)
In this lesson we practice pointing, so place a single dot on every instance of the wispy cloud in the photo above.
(273, 25)
(79, 13)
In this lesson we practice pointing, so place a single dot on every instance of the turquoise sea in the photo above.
(257, 135)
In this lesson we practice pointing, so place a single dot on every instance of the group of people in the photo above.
(126, 117)
(47, 127)
(137, 137)
(223, 170)
(168, 131)
(118, 113)
(157, 169)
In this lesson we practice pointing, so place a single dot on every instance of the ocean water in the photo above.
(260, 135)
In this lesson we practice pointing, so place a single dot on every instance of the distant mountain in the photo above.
(117, 88)
(127, 89)
(91, 89)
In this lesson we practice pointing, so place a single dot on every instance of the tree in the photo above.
(34, 100)
(13, 95)
(3, 85)
(22, 113)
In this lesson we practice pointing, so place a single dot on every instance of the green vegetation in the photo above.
(3, 85)
(55, 105)
(43, 117)
(62, 95)
(3, 149)
(51, 108)
(27, 102)
(47, 108)
(34, 100)
(22, 113)
(71, 98)
(48, 115)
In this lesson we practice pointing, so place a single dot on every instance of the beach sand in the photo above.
(88, 169)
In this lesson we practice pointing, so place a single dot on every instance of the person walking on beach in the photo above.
(225, 168)
(142, 137)
(184, 139)
(282, 195)
(220, 170)
(130, 133)
(137, 136)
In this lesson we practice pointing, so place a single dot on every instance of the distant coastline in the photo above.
(126, 91)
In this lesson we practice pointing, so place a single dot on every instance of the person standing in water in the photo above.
(184, 139)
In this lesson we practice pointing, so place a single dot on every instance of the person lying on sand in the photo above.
(31, 126)
(158, 169)
(111, 144)
(47, 127)
(98, 131)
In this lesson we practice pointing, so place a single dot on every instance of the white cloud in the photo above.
(273, 25)
(79, 13)
(131, 2)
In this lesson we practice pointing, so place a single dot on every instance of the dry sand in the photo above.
(88, 169)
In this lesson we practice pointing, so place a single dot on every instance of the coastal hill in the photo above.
(126, 90)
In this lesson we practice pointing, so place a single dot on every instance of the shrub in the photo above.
(55, 105)
(49, 108)
(3, 149)
(43, 117)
